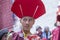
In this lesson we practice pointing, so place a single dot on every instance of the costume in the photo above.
(55, 33)
(31, 8)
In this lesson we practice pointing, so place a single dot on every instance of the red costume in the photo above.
(32, 8)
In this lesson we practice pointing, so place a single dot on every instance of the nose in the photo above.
(27, 22)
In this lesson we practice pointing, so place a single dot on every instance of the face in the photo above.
(46, 29)
(39, 30)
(27, 23)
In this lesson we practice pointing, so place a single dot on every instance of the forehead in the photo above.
(27, 17)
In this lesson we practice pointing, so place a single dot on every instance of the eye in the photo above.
(24, 19)
(30, 19)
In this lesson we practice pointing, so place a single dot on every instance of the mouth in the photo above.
(26, 26)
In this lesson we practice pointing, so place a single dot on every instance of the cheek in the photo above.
(23, 23)
(31, 23)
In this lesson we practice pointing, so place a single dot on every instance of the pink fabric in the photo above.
(55, 34)
(35, 37)
(6, 19)
(44, 39)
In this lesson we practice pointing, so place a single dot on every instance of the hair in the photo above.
(46, 28)
(3, 32)
(38, 28)
(3, 35)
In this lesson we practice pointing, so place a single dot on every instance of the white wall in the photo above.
(50, 17)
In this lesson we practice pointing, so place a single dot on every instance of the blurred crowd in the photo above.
(44, 35)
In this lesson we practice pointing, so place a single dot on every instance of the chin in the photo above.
(27, 29)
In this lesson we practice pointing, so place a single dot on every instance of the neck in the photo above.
(26, 33)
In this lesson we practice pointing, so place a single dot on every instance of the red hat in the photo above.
(32, 8)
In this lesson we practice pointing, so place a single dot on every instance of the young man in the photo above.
(28, 11)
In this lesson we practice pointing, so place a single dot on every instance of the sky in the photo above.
(48, 19)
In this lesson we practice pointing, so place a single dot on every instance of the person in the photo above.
(56, 31)
(3, 34)
(39, 32)
(58, 15)
(27, 11)
(46, 34)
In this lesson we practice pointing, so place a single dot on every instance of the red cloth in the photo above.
(59, 34)
(15, 36)
(32, 8)
(55, 33)
(44, 39)
(58, 15)
(58, 18)
(33, 37)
